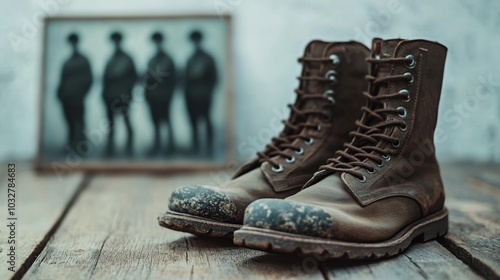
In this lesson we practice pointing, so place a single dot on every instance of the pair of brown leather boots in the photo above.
(308, 192)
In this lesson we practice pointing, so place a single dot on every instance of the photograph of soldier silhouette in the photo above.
(200, 80)
(120, 76)
(139, 92)
(75, 82)
(159, 85)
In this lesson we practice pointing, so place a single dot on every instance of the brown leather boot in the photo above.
(328, 102)
(384, 190)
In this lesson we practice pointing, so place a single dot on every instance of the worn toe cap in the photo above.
(289, 216)
(203, 201)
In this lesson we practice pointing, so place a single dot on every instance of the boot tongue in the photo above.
(315, 49)
(382, 49)
(387, 47)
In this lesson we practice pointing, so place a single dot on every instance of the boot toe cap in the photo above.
(203, 201)
(289, 216)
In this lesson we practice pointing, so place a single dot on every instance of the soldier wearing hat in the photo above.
(159, 85)
(200, 80)
(76, 79)
(120, 77)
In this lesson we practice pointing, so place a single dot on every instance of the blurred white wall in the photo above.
(268, 36)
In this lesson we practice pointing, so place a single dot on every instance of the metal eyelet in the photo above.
(412, 63)
(309, 141)
(406, 93)
(277, 169)
(331, 75)
(397, 144)
(362, 180)
(370, 171)
(386, 157)
(412, 79)
(402, 112)
(318, 128)
(290, 160)
(300, 151)
(335, 59)
(329, 95)
(403, 126)
(381, 164)
(327, 118)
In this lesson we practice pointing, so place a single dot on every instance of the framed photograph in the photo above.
(136, 94)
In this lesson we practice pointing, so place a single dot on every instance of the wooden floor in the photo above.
(105, 227)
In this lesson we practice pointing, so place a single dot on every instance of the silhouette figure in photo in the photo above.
(159, 85)
(120, 77)
(200, 80)
(76, 79)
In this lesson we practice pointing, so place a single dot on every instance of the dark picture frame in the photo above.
(126, 144)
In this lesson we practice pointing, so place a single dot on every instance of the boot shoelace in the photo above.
(298, 117)
(367, 136)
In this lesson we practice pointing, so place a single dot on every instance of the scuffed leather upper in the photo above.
(328, 210)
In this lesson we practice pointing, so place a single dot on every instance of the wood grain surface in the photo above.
(474, 205)
(41, 202)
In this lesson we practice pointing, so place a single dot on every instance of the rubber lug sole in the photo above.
(196, 225)
(429, 228)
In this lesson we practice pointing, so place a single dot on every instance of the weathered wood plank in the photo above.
(491, 178)
(41, 202)
(112, 233)
(421, 261)
(474, 207)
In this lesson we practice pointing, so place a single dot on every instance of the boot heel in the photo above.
(434, 230)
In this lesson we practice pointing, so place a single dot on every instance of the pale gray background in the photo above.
(268, 37)
(95, 44)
